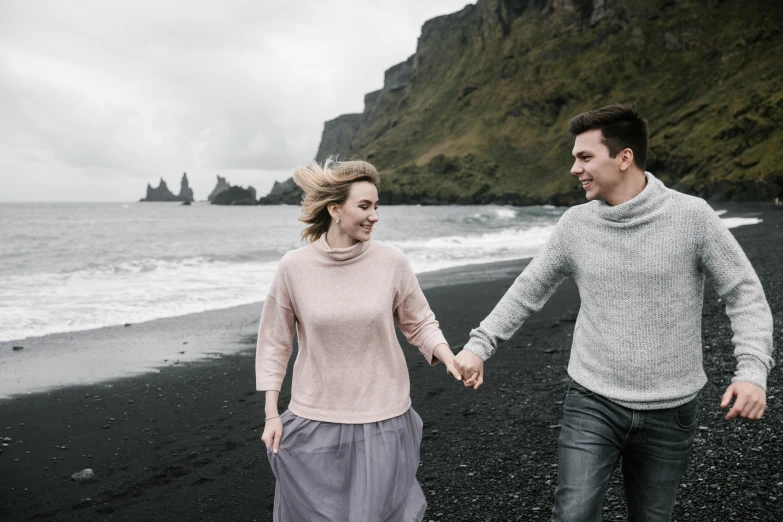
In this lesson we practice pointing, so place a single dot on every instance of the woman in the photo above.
(347, 448)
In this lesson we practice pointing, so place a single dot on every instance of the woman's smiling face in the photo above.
(359, 213)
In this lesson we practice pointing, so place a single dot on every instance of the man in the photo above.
(639, 253)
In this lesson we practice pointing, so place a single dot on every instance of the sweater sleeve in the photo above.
(531, 290)
(275, 335)
(722, 258)
(413, 314)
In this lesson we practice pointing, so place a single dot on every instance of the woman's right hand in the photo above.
(273, 432)
(443, 353)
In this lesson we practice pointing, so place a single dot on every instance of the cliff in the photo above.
(480, 112)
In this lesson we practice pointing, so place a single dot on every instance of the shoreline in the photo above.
(102, 355)
(183, 443)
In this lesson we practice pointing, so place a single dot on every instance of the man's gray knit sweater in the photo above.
(640, 268)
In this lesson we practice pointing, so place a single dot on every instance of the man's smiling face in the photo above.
(598, 173)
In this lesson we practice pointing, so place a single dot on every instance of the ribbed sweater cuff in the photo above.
(479, 350)
(752, 370)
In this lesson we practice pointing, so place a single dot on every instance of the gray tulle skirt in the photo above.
(348, 472)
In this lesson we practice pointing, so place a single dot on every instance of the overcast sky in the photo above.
(98, 97)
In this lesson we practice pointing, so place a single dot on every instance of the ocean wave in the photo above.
(169, 263)
(505, 213)
(501, 238)
(734, 222)
(132, 292)
(504, 217)
(427, 255)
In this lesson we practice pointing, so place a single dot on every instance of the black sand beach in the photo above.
(183, 444)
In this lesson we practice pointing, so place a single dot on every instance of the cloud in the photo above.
(108, 92)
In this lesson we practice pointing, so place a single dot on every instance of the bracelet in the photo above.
(272, 417)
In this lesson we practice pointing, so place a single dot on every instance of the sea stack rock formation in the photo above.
(225, 194)
(285, 193)
(162, 192)
(236, 196)
(185, 192)
(222, 186)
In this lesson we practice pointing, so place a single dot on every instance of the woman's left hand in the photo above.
(443, 353)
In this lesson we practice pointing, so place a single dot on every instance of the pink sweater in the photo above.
(343, 303)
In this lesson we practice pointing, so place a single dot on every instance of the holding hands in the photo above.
(466, 366)
(471, 367)
(443, 353)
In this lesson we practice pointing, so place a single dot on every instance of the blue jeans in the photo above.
(655, 446)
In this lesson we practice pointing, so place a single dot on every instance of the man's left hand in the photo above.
(471, 366)
(750, 401)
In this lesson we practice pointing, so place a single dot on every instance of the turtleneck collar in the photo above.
(645, 204)
(341, 254)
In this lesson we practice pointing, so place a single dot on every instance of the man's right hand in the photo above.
(273, 432)
(471, 366)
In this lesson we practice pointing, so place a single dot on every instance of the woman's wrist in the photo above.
(443, 353)
(270, 407)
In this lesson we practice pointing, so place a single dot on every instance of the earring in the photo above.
(338, 220)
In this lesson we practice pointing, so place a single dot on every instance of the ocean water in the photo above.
(67, 267)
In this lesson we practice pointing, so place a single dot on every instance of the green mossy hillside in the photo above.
(483, 111)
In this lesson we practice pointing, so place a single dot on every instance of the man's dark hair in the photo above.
(621, 126)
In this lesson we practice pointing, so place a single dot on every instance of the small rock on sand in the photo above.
(85, 475)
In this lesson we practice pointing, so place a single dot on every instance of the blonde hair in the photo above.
(327, 184)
